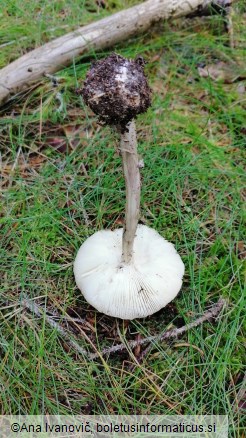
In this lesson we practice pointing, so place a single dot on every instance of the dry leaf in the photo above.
(222, 71)
(58, 143)
(241, 249)
(137, 349)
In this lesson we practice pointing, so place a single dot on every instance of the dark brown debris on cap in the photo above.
(116, 89)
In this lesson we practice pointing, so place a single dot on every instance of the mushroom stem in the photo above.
(128, 148)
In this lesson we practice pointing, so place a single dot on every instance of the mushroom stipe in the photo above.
(131, 272)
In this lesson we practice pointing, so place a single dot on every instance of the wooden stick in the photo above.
(169, 334)
(128, 148)
(99, 35)
(39, 311)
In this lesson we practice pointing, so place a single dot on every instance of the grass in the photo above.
(62, 181)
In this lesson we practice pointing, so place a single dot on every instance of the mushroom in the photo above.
(131, 272)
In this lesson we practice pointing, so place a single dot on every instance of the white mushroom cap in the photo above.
(134, 290)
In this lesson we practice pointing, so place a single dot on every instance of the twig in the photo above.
(205, 317)
(229, 26)
(84, 212)
(33, 307)
(169, 334)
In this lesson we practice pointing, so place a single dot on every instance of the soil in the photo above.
(116, 89)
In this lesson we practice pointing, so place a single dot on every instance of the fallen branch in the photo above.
(99, 35)
(40, 312)
(169, 334)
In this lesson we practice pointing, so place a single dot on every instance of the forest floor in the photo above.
(62, 181)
